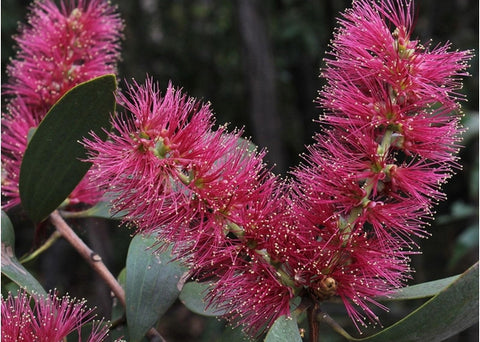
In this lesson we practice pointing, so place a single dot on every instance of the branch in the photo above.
(313, 322)
(90, 256)
(95, 261)
(324, 317)
(51, 240)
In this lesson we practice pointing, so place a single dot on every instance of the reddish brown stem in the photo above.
(324, 317)
(90, 256)
(95, 261)
(313, 322)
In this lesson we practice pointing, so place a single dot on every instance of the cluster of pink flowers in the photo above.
(205, 190)
(344, 224)
(47, 319)
(58, 49)
(391, 132)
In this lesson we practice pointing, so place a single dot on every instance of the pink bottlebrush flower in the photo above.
(394, 82)
(58, 49)
(149, 166)
(252, 294)
(61, 47)
(369, 182)
(201, 189)
(48, 319)
(247, 227)
(377, 36)
(357, 267)
(340, 178)
(253, 282)
(169, 170)
(388, 113)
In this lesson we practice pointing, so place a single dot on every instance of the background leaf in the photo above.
(117, 308)
(192, 296)
(466, 242)
(451, 311)
(85, 330)
(427, 289)
(99, 210)
(284, 329)
(120, 331)
(153, 282)
(52, 166)
(11, 267)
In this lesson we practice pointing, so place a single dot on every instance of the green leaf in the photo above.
(452, 310)
(122, 276)
(100, 210)
(120, 332)
(428, 289)
(459, 210)
(284, 329)
(117, 308)
(85, 330)
(8, 234)
(246, 144)
(192, 296)
(153, 282)
(466, 242)
(52, 166)
(11, 267)
(471, 122)
(232, 335)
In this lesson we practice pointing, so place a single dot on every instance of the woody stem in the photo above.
(95, 261)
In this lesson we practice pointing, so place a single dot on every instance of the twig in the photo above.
(90, 256)
(51, 240)
(323, 316)
(96, 263)
(313, 322)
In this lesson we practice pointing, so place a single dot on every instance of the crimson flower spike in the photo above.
(344, 226)
(44, 319)
(58, 49)
(392, 131)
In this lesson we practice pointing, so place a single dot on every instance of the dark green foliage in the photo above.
(52, 164)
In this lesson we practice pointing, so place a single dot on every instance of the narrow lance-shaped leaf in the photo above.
(452, 310)
(424, 290)
(284, 329)
(120, 331)
(153, 282)
(52, 166)
(11, 267)
(193, 297)
(99, 210)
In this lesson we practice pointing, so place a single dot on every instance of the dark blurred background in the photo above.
(258, 63)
